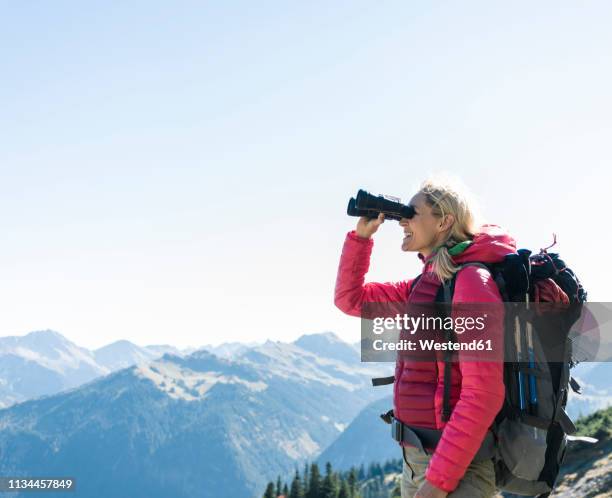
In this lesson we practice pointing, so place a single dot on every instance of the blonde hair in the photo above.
(446, 196)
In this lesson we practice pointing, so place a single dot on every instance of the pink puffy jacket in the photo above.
(477, 389)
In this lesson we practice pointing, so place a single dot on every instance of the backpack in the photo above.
(531, 431)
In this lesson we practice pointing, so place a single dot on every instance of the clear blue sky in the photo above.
(178, 172)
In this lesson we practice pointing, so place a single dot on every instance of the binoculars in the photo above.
(369, 205)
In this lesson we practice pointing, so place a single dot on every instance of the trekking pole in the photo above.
(517, 339)
(533, 397)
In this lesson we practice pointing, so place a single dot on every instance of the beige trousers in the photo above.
(478, 481)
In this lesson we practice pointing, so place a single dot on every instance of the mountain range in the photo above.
(189, 425)
(45, 362)
(164, 422)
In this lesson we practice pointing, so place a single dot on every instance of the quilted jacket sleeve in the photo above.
(482, 385)
(351, 291)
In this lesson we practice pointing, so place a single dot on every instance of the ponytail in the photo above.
(442, 264)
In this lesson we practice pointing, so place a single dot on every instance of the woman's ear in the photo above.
(447, 222)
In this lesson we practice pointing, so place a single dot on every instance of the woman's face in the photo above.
(423, 230)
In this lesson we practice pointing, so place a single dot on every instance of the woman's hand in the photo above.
(366, 226)
(428, 490)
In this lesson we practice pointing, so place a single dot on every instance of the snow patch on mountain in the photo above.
(51, 350)
(289, 361)
(122, 354)
(186, 384)
(300, 447)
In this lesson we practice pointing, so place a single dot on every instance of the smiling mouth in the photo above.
(407, 235)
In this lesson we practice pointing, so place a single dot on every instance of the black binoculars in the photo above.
(369, 205)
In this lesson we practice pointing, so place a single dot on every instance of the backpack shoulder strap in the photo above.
(448, 286)
(384, 381)
(448, 290)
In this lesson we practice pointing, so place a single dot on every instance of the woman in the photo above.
(444, 234)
